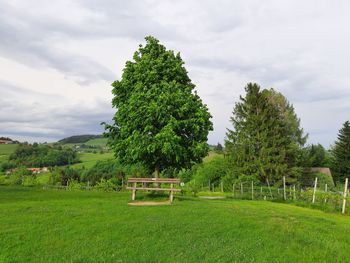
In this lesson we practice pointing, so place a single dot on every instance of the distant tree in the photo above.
(266, 137)
(341, 154)
(219, 148)
(315, 155)
(160, 120)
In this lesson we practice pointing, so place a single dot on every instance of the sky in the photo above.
(58, 59)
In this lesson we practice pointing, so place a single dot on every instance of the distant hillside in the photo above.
(80, 138)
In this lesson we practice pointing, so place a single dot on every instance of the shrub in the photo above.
(212, 171)
(106, 185)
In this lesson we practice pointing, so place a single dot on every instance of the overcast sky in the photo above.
(58, 59)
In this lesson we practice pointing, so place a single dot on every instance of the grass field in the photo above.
(89, 159)
(97, 142)
(6, 150)
(63, 226)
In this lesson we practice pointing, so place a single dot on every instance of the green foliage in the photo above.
(212, 171)
(341, 153)
(40, 155)
(160, 120)
(315, 155)
(266, 138)
(218, 148)
(105, 170)
(106, 185)
(19, 175)
(308, 180)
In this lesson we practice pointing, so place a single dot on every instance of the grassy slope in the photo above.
(97, 142)
(6, 150)
(89, 159)
(56, 226)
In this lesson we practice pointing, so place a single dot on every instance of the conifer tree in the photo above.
(341, 154)
(265, 137)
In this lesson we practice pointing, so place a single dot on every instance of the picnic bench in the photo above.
(153, 184)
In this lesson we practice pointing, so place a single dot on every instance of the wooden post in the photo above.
(122, 183)
(222, 186)
(284, 188)
(233, 190)
(252, 190)
(314, 194)
(133, 197)
(294, 192)
(325, 190)
(171, 193)
(209, 186)
(345, 194)
(268, 185)
(241, 189)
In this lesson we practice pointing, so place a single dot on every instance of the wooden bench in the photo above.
(153, 184)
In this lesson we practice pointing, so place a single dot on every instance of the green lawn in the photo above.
(61, 226)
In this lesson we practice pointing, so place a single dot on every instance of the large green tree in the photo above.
(266, 137)
(160, 120)
(341, 154)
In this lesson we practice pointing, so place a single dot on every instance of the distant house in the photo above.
(5, 142)
(38, 170)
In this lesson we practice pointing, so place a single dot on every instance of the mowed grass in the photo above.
(62, 226)
(6, 150)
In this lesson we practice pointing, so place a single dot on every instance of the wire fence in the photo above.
(317, 197)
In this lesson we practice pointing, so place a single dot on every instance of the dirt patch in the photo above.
(149, 203)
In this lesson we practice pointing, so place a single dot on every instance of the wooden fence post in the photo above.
(345, 194)
(241, 189)
(209, 186)
(252, 190)
(284, 188)
(268, 185)
(233, 190)
(222, 186)
(294, 192)
(325, 190)
(314, 194)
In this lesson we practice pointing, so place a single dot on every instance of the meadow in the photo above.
(6, 150)
(75, 226)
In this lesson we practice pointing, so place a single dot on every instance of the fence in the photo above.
(315, 196)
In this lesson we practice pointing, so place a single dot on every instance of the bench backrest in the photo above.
(154, 180)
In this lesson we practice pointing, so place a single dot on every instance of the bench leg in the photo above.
(133, 195)
(171, 196)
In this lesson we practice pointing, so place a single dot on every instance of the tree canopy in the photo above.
(266, 137)
(160, 120)
(341, 154)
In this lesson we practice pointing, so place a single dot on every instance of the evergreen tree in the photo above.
(341, 154)
(160, 121)
(266, 136)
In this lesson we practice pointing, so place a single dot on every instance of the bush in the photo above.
(308, 180)
(29, 180)
(106, 185)
(212, 171)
